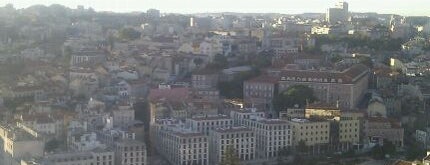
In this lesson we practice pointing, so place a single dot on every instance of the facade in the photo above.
(311, 132)
(205, 124)
(204, 79)
(240, 116)
(260, 91)
(19, 144)
(241, 139)
(344, 88)
(378, 129)
(99, 156)
(292, 113)
(271, 136)
(337, 14)
(87, 58)
(130, 152)
(178, 145)
(350, 127)
(123, 115)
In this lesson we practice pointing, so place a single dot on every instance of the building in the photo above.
(350, 128)
(94, 157)
(84, 142)
(337, 14)
(378, 129)
(153, 14)
(130, 152)
(87, 58)
(19, 144)
(123, 115)
(204, 79)
(205, 124)
(178, 145)
(271, 136)
(240, 116)
(292, 113)
(260, 91)
(28, 91)
(312, 132)
(343, 89)
(241, 139)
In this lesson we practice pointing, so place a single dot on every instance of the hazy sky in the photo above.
(404, 7)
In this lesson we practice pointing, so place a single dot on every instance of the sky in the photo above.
(402, 7)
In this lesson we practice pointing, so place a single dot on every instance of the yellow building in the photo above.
(312, 132)
(349, 127)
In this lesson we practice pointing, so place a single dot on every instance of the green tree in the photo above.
(388, 148)
(52, 145)
(230, 157)
(302, 147)
(219, 62)
(377, 152)
(129, 34)
(296, 94)
(198, 62)
(234, 89)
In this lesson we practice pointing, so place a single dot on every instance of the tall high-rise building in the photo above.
(338, 14)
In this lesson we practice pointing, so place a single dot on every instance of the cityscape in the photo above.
(81, 86)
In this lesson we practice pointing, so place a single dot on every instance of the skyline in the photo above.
(401, 7)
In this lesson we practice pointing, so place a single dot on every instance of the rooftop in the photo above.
(217, 117)
(232, 130)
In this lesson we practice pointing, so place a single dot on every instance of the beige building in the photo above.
(350, 127)
(312, 132)
(292, 113)
(242, 140)
(378, 129)
(344, 88)
(19, 144)
(124, 114)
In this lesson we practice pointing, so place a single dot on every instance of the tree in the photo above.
(230, 157)
(377, 152)
(219, 62)
(129, 34)
(52, 145)
(388, 148)
(302, 147)
(198, 61)
(234, 89)
(296, 94)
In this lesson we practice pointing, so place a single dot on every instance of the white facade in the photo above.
(241, 139)
(130, 152)
(207, 123)
(272, 136)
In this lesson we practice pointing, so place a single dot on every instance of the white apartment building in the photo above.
(95, 157)
(241, 139)
(178, 145)
(84, 142)
(205, 124)
(240, 116)
(272, 136)
(130, 152)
